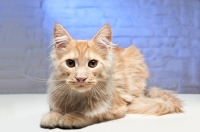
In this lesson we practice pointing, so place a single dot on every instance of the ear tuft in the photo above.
(61, 37)
(104, 32)
(103, 38)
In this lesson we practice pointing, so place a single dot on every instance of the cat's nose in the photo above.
(81, 79)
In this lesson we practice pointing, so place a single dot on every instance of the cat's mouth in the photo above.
(75, 83)
(82, 88)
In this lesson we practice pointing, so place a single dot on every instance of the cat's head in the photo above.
(82, 64)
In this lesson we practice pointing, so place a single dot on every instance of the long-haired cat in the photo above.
(95, 81)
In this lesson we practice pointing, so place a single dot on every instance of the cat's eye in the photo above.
(70, 63)
(92, 63)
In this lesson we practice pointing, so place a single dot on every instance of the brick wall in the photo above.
(167, 31)
(22, 49)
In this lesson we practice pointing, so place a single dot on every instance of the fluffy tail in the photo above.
(156, 102)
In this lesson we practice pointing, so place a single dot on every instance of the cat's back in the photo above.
(130, 72)
(128, 56)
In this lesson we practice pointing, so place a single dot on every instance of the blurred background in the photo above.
(166, 31)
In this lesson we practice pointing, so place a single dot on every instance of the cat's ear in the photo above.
(61, 37)
(103, 37)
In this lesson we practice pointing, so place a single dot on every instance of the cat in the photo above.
(95, 81)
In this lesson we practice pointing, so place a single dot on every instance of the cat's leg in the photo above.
(50, 120)
(117, 111)
(75, 121)
(80, 120)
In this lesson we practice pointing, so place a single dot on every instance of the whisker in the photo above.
(55, 91)
(57, 88)
(39, 79)
(59, 97)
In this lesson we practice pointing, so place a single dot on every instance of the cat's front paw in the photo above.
(71, 121)
(50, 120)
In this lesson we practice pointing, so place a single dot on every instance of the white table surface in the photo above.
(22, 113)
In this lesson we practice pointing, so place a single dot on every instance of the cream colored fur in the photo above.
(113, 88)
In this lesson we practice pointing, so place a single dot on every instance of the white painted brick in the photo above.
(50, 4)
(173, 66)
(170, 84)
(146, 32)
(160, 32)
(169, 42)
(197, 13)
(145, 11)
(167, 52)
(196, 4)
(122, 41)
(38, 13)
(32, 43)
(187, 68)
(21, 12)
(153, 22)
(197, 70)
(182, 43)
(126, 22)
(155, 42)
(87, 13)
(39, 33)
(139, 21)
(118, 3)
(156, 22)
(11, 64)
(196, 23)
(151, 83)
(184, 32)
(155, 63)
(171, 2)
(17, 54)
(186, 22)
(178, 31)
(124, 32)
(195, 33)
(35, 3)
(22, 22)
(144, 3)
(134, 32)
(111, 21)
(189, 89)
(196, 43)
(167, 74)
(79, 33)
(187, 12)
(195, 54)
(185, 53)
(11, 86)
(118, 12)
(186, 3)
(11, 74)
(167, 11)
(140, 42)
(168, 22)
(61, 13)
(96, 3)
(149, 52)
(78, 22)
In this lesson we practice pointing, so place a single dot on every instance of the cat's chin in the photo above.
(81, 89)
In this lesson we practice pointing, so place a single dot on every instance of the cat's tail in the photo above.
(156, 102)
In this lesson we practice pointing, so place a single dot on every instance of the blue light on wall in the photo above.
(167, 32)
